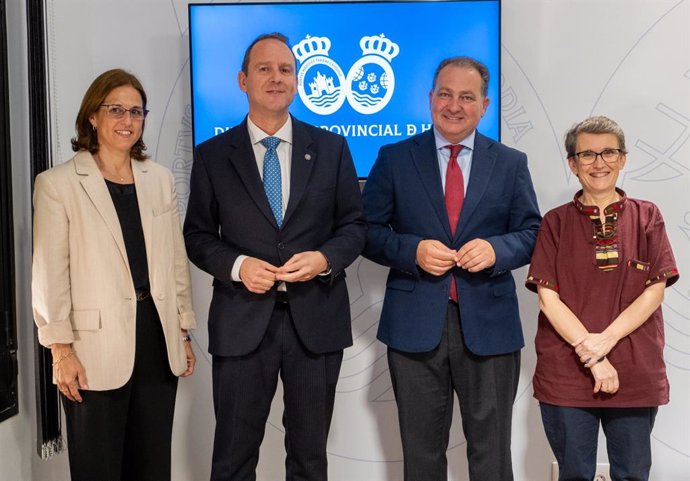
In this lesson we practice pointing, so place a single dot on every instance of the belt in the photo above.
(142, 295)
(282, 297)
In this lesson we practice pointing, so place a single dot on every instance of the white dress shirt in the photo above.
(284, 149)
(464, 157)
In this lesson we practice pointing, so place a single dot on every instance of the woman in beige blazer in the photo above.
(111, 289)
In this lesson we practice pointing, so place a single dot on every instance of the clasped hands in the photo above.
(592, 349)
(259, 276)
(436, 259)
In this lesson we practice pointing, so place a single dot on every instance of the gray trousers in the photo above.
(486, 386)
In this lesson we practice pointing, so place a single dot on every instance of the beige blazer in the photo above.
(81, 283)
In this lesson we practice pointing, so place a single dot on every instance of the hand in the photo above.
(191, 359)
(434, 257)
(476, 255)
(257, 276)
(605, 377)
(69, 373)
(592, 347)
(302, 267)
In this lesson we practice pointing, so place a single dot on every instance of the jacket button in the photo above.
(281, 246)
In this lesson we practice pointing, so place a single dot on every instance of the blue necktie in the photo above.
(272, 179)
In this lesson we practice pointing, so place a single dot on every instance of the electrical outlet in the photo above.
(602, 472)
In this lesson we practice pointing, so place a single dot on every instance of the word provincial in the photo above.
(365, 130)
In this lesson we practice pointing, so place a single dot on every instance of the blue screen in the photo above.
(364, 69)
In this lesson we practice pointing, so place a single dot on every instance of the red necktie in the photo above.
(455, 196)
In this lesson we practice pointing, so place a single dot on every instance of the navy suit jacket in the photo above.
(404, 204)
(229, 215)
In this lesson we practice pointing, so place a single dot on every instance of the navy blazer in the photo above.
(404, 204)
(229, 215)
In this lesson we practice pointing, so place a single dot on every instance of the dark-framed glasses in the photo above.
(116, 111)
(609, 156)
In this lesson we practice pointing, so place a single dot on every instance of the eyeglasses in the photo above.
(587, 157)
(116, 111)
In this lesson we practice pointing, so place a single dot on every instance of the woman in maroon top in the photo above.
(600, 267)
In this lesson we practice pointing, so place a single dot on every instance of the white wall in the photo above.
(562, 61)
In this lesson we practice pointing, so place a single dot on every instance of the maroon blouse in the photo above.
(598, 270)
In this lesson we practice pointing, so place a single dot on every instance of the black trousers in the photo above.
(125, 434)
(243, 388)
(486, 386)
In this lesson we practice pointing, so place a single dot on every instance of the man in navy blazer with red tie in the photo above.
(275, 216)
(450, 315)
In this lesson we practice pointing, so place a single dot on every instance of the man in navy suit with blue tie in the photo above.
(275, 216)
(452, 212)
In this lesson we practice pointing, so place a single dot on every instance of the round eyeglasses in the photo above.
(587, 157)
(116, 111)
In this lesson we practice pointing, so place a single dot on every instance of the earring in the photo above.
(93, 127)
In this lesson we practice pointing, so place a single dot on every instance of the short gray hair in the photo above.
(594, 125)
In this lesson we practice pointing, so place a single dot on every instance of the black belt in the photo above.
(282, 297)
(142, 295)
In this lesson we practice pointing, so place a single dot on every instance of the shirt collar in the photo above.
(256, 135)
(441, 142)
(590, 210)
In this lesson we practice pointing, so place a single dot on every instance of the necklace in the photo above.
(108, 173)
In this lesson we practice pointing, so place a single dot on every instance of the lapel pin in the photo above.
(307, 156)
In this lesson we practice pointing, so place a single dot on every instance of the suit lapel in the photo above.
(483, 161)
(143, 184)
(243, 159)
(303, 158)
(93, 184)
(425, 159)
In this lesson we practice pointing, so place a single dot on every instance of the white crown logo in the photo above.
(379, 45)
(311, 46)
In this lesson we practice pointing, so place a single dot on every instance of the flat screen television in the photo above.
(364, 68)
